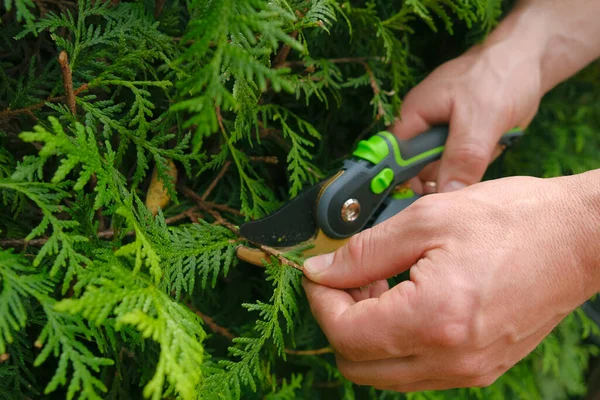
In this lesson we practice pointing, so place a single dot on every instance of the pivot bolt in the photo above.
(350, 210)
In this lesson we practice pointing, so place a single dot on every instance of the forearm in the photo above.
(582, 201)
(562, 36)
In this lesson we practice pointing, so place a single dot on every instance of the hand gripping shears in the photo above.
(368, 189)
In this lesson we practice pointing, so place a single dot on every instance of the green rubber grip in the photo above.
(413, 154)
(379, 164)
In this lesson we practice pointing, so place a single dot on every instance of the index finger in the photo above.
(427, 104)
(372, 329)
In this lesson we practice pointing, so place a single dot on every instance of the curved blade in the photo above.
(292, 224)
(320, 244)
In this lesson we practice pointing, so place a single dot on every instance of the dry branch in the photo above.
(316, 352)
(283, 54)
(213, 184)
(212, 324)
(105, 234)
(63, 60)
(376, 89)
(341, 60)
(8, 113)
(230, 336)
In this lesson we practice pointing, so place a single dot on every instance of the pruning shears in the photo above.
(368, 189)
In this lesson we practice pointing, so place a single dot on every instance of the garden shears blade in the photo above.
(368, 189)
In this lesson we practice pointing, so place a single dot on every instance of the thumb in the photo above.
(380, 252)
(470, 147)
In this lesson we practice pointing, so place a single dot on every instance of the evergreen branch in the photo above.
(133, 300)
(340, 60)
(298, 155)
(222, 207)
(282, 55)
(316, 352)
(63, 60)
(213, 184)
(8, 113)
(286, 284)
(61, 333)
(220, 220)
(60, 336)
(280, 256)
(212, 324)
(105, 234)
(376, 91)
(228, 335)
(63, 230)
(5, 243)
(158, 7)
(203, 205)
(265, 159)
(263, 200)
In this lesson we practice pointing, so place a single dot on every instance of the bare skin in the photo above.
(494, 266)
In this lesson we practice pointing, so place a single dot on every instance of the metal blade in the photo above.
(292, 224)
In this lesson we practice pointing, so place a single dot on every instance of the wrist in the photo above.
(559, 37)
(581, 197)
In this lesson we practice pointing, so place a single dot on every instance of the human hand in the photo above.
(498, 85)
(495, 267)
(481, 95)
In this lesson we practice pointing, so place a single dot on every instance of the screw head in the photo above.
(350, 210)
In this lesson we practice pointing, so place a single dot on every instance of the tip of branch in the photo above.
(63, 58)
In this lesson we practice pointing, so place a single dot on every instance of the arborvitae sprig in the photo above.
(112, 291)
(64, 239)
(61, 334)
(248, 369)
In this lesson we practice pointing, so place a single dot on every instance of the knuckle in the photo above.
(471, 153)
(427, 208)
(452, 335)
(357, 247)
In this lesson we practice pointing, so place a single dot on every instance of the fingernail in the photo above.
(316, 265)
(452, 186)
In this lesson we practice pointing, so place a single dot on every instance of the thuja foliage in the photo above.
(245, 102)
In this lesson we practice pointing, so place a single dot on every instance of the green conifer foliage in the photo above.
(251, 100)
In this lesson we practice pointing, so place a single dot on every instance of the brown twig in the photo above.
(316, 352)
(220, 220)
(212, 324)
(158, 7)
(283, 54)
(265, 159)
(279, 255)
(375, 87)
(5, 243)
(206, 207)
(29, 109)
(227, 334)
(222, 207)
(213, 184)
(189, 213)
(105, 234)
(341, 60)
(217, 216)
(63, 60)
